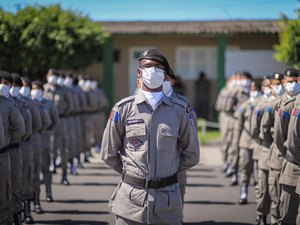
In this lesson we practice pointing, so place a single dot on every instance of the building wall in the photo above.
(168, 44)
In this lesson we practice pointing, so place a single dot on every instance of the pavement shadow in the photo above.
(216, 223)
(201, 169)
(81, 201)
(205, 185)
(95, 167)
(101, 174)
(76, 212)
(209, 202)
(202, 176)
(70, 222)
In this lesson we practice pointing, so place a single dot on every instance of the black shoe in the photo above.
(261, 220)
(17, 219)
(74, 171)
(27, 214)
(37, 204)
(242, 201)
(80, 165)
(38, 209)
(49, 198)
(65, 181)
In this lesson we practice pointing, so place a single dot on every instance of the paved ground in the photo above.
(209, 198)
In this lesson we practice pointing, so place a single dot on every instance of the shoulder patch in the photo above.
(124, 100)
(114, 115)
(268, 109)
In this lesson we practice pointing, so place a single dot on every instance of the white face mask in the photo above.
(4, 90)
(52, 79)
(166, 86)
(81, 83)
(153, 77)
(292, 88)
(60, 81)
(246, 83)
(36, 94)
(278, 89)
(25, 91)
(68, 82)
(14, 91)
(267, 91)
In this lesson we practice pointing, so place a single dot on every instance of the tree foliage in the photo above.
(38, 37)
(288, 49)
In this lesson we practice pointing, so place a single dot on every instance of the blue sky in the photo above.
(126, 10)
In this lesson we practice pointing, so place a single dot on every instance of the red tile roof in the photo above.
(192, 27)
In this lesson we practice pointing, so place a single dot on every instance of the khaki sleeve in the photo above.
(17, 126)
(112, 142)
(281, 125)
(293, 138)
(255, 122)
(1, 134)
(53, 116)
(46, 121)
(36, 119)
(189, 142)
(28, 123)
(266, 124)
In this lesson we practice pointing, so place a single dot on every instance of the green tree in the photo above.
(288, 49)
(38, 37)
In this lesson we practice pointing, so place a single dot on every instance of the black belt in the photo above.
(15, 145)
(154, 183)
(3, 150)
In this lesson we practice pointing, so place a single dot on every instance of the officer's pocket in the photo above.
(168, 200)
(136, 137)
(131, 196)
(167, 138)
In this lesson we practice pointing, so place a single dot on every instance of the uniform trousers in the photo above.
(298, 193)
(27, 171)
(275, 191)
(78, 135)
(255, 174)
(289, 203)
(60, 142)
(123, 221)
(245, 165)
(71, 136)
(263, 201)
(6, 216)
(16, 178)
(46, 158)
(182, 179)
(37, 161)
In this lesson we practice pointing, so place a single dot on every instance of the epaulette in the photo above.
(124, 100)
(178, 101)
(291, 99)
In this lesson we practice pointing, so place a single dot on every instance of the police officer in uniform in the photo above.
(263, 201)
(45, 137)
(15, 150)
(283, 135)
(246, 141)
(14, 130)
(275, 158)
(141, 143)
(28, 150)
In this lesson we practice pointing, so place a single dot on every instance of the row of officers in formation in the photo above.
(260, 130)
(40, 123)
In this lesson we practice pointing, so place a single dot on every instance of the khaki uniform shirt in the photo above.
(12, 121)
(149, 143)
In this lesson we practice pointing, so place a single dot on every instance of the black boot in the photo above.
(49, 197)
(243, 195)
(234, 179)
(27, 214)
(261, 220)
(37, 204)
(18, 218)
(64, 179)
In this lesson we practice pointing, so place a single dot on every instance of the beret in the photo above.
(171, 74)
(277, 76)
(6, 76)
(291, 72)
(246, 74)
(37, 83)
(26, 80)
(16, 79)
(154, 54)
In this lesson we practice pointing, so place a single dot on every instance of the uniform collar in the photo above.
(140, 98)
